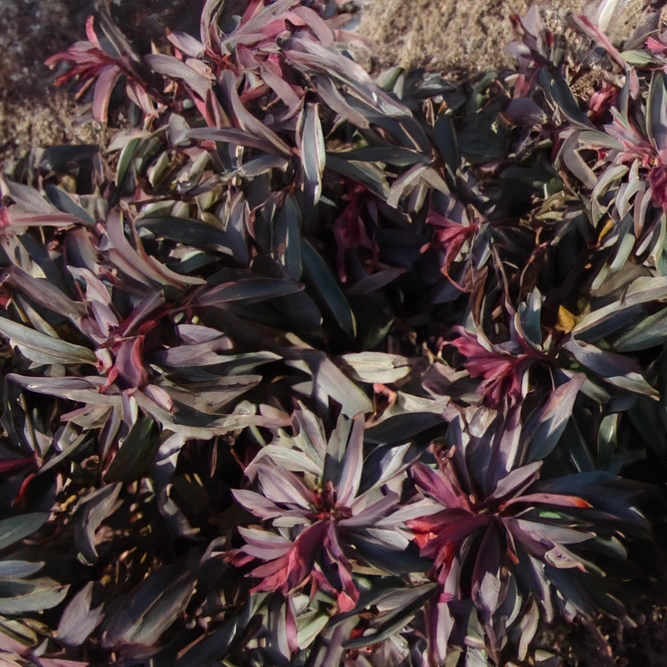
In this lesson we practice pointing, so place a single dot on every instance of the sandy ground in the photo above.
(442, 34)
(465, 34)
(33, 114)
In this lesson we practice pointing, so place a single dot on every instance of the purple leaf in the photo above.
(614, 368)
(517, 481)
(528, 626)
(506, 448)
(45, 294)
(230, 135)
(351, 465)
(289, 459)
(486, 583)
(263, 15)
(523, 111)
(79, 619)
(656, 116)
(175, 69)
(439, 626)
(106, 82)
(283, 487)
(209, 28)
(439, 487)
(264, 545)
(373, 514)
(251, 290)
(310, 54)
(315, 22)
(257, 504)
(129, 367)
(334, 100)
(186, 43)
(310, 141)
(599, 37)
(283, 90)
(545, 426)
(575, 163)
(246, 120)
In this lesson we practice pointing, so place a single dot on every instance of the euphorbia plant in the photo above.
(231, 333)
(310, 493)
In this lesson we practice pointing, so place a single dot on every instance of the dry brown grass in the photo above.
(444, 34)
(463, 34)
(32, 113)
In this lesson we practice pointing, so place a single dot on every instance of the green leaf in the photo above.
(93, 509)
(649, 332)
(216, 645)
(637, 58)
(149, 610)
(656, 111)
(645, 290)
(136, 453)
(310, 629)
(614, 368)
(287, 238)
(126, 159)
(395, 620)
(607, 436)
(327, 378)
(17, 569)
(366, 173)
(313, 152)
(63, 202)
(197, 234)
(447, 143)
(560, 92)
(17, 527)
(250, 290)
(403, 427)
(374, 367)
(646, 417)
(605, 321)
(17, 597)
(394, 155)
(45, 349)
(321, 282)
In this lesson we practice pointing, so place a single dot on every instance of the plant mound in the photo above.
(306, 368)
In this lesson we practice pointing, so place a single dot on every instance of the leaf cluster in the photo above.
(308, 368)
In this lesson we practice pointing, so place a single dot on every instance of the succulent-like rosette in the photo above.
(507, 539)
(310, 493)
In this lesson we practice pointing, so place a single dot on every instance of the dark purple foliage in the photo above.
(312, 369)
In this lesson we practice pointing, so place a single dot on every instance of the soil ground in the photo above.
(442, 34)
(33, 114)
(465, 34)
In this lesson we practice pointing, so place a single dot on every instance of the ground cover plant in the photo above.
(307, 368)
